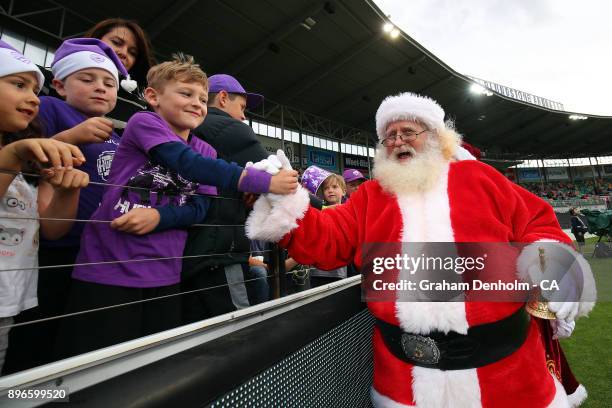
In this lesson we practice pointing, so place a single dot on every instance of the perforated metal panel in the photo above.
(333, 371)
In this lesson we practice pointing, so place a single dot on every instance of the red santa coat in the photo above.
(471, 203)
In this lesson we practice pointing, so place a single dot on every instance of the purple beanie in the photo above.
(14, 62)
(81, 53)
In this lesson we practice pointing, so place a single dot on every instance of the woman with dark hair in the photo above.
(132, 46)
(130, 43)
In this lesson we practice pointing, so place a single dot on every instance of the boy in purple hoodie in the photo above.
(161, 165)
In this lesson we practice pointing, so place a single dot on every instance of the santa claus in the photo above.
(421, 193)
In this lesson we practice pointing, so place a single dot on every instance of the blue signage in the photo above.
(529, 174)
(322, 158)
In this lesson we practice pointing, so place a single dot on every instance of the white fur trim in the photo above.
(272, 221)
(426, 218)
(459, 388)
(530, 256)
(452, 388)
(589, 291)
(380, 401)
(13, 62)
(560, 400)
(578, 397)
(462, 154)
(408, 106)
(81, 60)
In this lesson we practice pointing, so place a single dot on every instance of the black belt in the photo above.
(482, 345)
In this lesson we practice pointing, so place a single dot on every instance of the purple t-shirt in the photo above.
(148, 185)
(56, 116)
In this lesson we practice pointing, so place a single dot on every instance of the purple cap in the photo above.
(81, 53)
(229, 84)
(313, 177)
(352, 175)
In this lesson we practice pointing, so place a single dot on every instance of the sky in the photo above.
(556, 49)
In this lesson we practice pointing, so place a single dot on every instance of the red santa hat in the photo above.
(408, 106)
(474, 151)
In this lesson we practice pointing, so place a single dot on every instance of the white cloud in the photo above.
(556, 49)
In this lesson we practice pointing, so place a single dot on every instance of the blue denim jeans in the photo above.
(259, 284)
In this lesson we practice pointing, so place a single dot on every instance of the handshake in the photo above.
(284, 178)
(276, 214)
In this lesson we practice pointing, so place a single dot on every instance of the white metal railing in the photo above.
(85, 370)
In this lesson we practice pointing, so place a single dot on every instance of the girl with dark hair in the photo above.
(25, 206)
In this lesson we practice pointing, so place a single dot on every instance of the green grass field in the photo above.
(589, 350)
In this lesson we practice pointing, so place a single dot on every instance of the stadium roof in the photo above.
(330, 59)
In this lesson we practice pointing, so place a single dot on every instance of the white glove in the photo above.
(275, 215)
(562, 329)
(566, 268)
(283, 162)
(271, 165)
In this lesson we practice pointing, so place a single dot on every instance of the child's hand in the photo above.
(66, 179)
(48, 152)
(285, 182)
(93, 130)
(138, 221)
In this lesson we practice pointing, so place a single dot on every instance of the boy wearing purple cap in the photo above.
(157, 191)
(353, 179)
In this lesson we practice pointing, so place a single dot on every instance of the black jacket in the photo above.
(234, 142)
(578, 226)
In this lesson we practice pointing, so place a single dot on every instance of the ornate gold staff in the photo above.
(536, 307)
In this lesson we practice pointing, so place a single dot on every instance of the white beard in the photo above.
(419, 174)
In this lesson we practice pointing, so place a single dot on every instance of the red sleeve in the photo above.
(534, 219)
(327, 239)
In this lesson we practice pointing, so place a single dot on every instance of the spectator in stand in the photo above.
(353, 179)
(329, 187)
(23, 199)
(132, 46)
(86, 76)
(234, 141)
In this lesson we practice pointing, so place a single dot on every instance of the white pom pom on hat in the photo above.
(128, 84)
(408, 106)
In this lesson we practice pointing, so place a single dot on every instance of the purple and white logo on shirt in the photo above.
(97, 58)
(103, 163)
